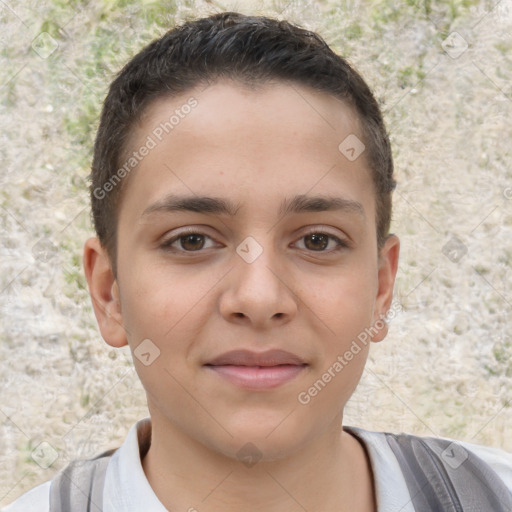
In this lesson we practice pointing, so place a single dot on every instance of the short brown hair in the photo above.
(249, 49)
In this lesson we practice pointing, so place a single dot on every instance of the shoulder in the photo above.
(35, 500)
(499, 460)
(116, 467)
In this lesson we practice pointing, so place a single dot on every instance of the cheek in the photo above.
(155, 300)
(170, 309)
(344, 301)
(160, 317)
(344, 342)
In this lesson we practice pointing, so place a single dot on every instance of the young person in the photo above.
(241, 195)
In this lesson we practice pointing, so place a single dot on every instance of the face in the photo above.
(247, 266)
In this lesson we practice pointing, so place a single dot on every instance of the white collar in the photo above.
(390, 487)
(127, 488)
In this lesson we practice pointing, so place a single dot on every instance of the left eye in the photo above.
(318, 241)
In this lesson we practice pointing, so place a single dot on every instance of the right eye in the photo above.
(188, 241)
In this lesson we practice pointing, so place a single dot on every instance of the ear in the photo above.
(104, 292)
(388, 265)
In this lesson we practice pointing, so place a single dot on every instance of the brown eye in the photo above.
(318, 241)
(192, 242)
(187, 242)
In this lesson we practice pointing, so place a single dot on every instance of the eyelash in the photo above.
(166, 245)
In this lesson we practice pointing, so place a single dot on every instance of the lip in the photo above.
(257, 370)
(250, 358)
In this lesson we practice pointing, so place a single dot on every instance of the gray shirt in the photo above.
(127, 488)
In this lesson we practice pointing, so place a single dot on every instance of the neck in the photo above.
(330, 473)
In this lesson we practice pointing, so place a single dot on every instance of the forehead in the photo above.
(275, 140)
(232, 108)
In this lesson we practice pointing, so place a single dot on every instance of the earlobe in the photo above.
(388, 265)
(104, 292)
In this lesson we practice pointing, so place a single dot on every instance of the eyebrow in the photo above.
(218, 206)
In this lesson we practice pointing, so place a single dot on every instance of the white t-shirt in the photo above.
(127, 488)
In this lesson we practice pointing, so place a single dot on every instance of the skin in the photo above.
(254, 148)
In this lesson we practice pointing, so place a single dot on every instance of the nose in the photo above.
(258, 292)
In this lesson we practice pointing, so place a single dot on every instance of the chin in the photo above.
(269, 438)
